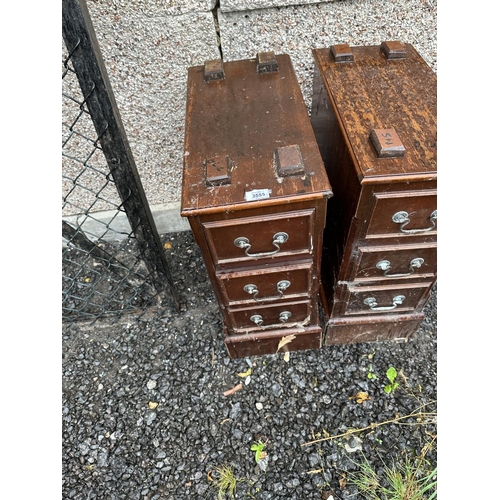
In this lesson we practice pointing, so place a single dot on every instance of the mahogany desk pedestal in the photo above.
(374, 116)
(255, 193)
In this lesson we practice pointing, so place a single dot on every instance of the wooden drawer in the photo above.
(270, 317)
(359, 300)
(386, 263)
(352, 329)
(267, 342)
(267, 285)
(403, 214)
(260, 239)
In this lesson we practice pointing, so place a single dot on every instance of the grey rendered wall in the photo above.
(148, 45)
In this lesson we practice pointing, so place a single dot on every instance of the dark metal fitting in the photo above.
(341, 53)
(214, 70)
(289, 161)
(393, 50)
(267, 62)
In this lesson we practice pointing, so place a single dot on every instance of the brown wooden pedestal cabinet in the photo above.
(374, 116)
(255, 192)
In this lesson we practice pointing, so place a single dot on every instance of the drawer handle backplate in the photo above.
(385, 265)
(372, 303)
(283, 317)
(280, 287)
(278, 239)
(404, 219)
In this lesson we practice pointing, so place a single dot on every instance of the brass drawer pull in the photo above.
(403, 218)
(372, 303)
(283, 317)
(385, 265)
(280, 287)
(278, 239)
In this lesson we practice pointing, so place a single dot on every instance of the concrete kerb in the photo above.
(113, 225)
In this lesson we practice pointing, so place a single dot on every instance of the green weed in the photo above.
(411, 480)
(225, 481)
(392, 385)
(258, 447)
(371, 375)
(399, 483)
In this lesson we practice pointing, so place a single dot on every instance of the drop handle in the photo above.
(281, 286)
(385, 265)
(244, 243)
(257, 319)
(403, 218)
(283, 317)
(371, 302)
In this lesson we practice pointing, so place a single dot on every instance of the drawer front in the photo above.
(267, 285)
(403, 214)
(385, 299)
(259, 239)
(260, 343)
(270, 317)
(396, 263)
(372, 328)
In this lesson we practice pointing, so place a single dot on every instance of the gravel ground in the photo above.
(144, 415)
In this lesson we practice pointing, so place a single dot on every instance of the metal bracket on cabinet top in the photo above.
(213, 70)
(267, 62)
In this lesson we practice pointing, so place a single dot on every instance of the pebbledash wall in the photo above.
(148, 45)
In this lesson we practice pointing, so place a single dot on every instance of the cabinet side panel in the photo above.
(340, 222)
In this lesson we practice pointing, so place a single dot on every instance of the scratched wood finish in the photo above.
(373, 92)
(244, 118)
(374, 328)
(250, 132)
(263, 284)
(258, 344)
(365, 108)
(397, 262)
(383, 298)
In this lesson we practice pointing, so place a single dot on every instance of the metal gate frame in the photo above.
(85, 54)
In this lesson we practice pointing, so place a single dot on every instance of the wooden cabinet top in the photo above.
(248, 137)
(369, 91)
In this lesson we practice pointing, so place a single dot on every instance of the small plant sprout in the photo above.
(258, 447)
(371, 375)
(393, 385)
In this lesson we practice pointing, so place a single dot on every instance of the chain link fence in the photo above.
(108, 268)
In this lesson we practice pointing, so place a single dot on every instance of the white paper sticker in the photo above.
(257, 194)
